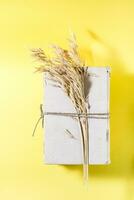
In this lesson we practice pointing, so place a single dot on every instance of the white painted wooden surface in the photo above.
(59, 147)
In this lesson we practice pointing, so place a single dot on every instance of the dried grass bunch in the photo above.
(68, 72)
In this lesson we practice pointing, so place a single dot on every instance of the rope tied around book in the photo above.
(74, 115)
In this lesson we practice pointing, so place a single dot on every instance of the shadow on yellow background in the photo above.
(104, 30)
(122, 118)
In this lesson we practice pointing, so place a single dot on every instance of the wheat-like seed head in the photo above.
(67, 71)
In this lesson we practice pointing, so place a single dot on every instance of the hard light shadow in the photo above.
(122, 117)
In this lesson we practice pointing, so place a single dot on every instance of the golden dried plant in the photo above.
(69, 72)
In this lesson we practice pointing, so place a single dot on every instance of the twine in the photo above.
(65, 114)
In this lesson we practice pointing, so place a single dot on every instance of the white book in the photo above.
(62, 140)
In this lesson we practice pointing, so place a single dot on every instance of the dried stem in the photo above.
(67, 71)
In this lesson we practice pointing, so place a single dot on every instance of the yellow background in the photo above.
(104, 29)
